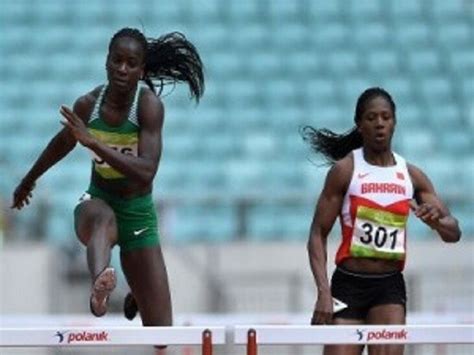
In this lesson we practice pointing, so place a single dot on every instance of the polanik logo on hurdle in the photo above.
(83, 336)
(382, 334)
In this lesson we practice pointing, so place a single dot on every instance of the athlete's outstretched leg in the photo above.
(147, 277)
(344, 349)
(387, 314)
(96, 228)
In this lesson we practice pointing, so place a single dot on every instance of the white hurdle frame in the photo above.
(112, 336)
(254, 335)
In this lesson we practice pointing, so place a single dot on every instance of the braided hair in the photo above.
(170, 58)
(333, 146)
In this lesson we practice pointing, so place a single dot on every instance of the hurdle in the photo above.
(254, 335)
(113, 336)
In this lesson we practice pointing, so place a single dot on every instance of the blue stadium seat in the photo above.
(329, 35)
(292, 148)
(363, 10)
(245, 119)
(204, 10)
(95, 43)
(456, 141)
(281, 92)
(454, 8)
(283, 10)
(405, 9)
(453, 35)
(442, 171)
(461, 62)
(225, 65)
(17, 42)
(400, 87)
(294, 37)
(60, 231)
(444, 112)
(280, 221)
(284, 120)
(416, 230)
(467, 87)
(88, 14)
(244, 175)
(18, 14)
(320, 90)
(255, 36)
(170, 178)
(436, 88)
(51, 39)
(419, 142)
(202, 223)
(325, 10)
(241, 92)
(470, 117)
(264, 64)
(383, 62)
(211, 36)
(330, 116)
(343, 62)
(412, 34)
(220, 146)
(409, 116)
(263, 223)
(243, 11)
(25, 66)
(170, 11)
(352, 87)
(301, 64)
(259, 145)
(424, 62)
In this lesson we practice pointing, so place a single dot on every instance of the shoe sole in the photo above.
(103, 286)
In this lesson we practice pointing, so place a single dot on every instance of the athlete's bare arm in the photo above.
(430, 209)
(59, 146)
(142, 168)
(327, 209)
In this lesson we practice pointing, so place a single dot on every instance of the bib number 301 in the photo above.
(379, 236)
(373, 240)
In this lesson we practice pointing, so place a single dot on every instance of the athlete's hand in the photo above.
(323, 309)
(76, 126)
(427, 212)
(22, 194)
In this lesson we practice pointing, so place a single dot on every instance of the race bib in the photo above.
(378, 234)
(104, 169)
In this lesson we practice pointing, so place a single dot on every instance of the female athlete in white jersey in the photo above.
(371, 189)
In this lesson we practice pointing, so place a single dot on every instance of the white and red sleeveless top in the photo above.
(375, 211)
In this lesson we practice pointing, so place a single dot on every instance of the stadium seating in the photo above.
(271, 67)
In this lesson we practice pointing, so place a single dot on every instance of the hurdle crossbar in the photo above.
(253, 335)
(112, 336)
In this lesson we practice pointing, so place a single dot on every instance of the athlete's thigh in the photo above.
(92, 214)
(147, 277)
(344, 349)
(386, 314)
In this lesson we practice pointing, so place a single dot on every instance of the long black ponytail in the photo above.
(170, 58)
(333, 146)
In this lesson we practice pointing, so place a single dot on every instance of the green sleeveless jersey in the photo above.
(123, 138)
